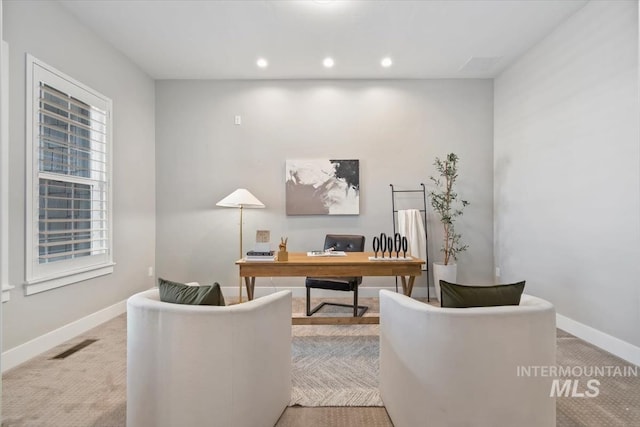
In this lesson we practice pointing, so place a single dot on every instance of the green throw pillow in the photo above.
(179, 293)
(461, 296)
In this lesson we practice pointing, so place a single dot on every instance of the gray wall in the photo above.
(51, 34)
(395, 128)
(567, 195)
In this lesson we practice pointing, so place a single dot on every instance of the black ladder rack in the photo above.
(394, 213)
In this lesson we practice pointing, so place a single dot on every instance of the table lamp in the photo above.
(241, 198)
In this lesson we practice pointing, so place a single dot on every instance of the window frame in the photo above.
(4, 172)
(43, 277)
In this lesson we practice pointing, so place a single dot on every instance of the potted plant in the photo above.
(446, 204)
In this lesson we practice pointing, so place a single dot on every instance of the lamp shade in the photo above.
(241, 198)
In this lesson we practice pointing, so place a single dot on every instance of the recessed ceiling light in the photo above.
(386, 62)
(328, 62)
(262, 63)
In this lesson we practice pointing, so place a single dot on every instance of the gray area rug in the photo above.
(335, 371)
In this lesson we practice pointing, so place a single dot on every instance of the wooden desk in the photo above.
(354, 264)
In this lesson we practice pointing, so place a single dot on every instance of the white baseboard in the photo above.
(613, 345)
(20, 354)
(300, 292)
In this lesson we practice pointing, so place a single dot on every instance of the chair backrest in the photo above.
(195, 365)
(460, 366)
(344, 242)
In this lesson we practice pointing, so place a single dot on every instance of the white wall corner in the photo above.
(20, 354)
(613, 345)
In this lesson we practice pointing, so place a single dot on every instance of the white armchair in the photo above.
(458, 366)
(207, 365)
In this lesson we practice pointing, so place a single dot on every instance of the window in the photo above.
(69, 180)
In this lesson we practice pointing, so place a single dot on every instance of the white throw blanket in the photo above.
(410, 225)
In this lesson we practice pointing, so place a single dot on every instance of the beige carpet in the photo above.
(618, 401)
(88, 387)
(334, 417)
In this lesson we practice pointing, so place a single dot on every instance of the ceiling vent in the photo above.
(480, 65)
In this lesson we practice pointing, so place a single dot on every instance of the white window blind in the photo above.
(69, 232)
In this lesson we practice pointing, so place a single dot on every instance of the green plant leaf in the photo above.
(444, 201)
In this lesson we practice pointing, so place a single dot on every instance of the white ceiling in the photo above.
(223, 39)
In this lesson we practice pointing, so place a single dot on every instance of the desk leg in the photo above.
(404, 285)
(412, 279)
(250, 283)
(407, 288)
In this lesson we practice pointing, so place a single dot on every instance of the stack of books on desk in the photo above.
(261, 256)
(327, 253)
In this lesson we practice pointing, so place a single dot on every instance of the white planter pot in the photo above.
(447, 273)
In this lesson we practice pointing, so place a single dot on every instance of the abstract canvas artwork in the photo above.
(323, 187)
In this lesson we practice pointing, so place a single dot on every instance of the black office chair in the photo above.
(346, 243)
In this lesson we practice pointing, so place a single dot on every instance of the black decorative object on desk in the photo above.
(391, 246)
(397, 244)
(376, 246)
